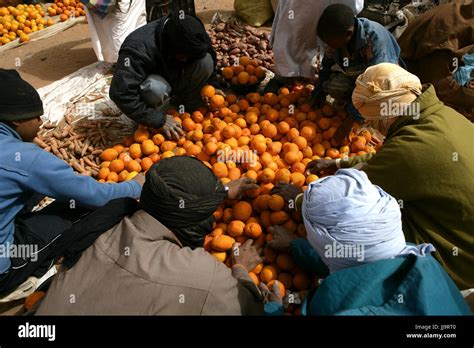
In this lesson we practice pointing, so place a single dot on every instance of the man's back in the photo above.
(139, 267)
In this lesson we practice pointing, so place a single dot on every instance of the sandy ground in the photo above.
(50, 59)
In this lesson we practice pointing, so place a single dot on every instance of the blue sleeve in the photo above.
(54, 178)
(385, 48)
(307, 258)
(273, 309)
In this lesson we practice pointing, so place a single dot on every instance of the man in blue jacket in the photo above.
(27, 171)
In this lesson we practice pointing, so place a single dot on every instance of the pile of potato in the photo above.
(231, 40)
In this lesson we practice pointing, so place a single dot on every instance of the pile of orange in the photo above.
(20, 21)
(246, 73)
(270, 138)
(66, 9)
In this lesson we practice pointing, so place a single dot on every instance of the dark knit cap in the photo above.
(18, 99)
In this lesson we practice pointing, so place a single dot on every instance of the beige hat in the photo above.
(383, 90)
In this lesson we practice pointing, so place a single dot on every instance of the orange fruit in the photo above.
(259, 72)
(112, 177)
(310, 178)
(133, 166)
(158, 139)
(291, 157)
(267, 176)
(123, 175)
(324, 123)
(219, 255)
(358, 144)
(276, 202)
(279, 217)
(258, 268)
(148, 147)
(297, 179)
(167, 146)
(103, 172)
(188, 124)
(116, 166)
(283, 175)
(236, 228)
(146, 163)
(109, 155)
(243, 77)
(222, 243)
(135, 151)
(220, 169)
(283, 127)
(208, 91)
(280, 285)
(228, 73)
(301, 281)
(244, 60)
(253, 230)
(268, 273)
(192, 150)
(254, 278)
(217, 101)
(242, 211)
(328, 110)
(285, 262)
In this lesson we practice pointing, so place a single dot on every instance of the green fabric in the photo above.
(405, 285)
(352, 161)
(428, 166)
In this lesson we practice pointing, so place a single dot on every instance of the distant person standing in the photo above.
(110, 22)
(294, 40)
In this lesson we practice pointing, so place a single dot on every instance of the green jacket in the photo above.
(427, 164)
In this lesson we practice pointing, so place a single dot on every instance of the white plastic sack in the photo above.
(108, 33)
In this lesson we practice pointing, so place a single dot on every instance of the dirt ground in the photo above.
(50, 59)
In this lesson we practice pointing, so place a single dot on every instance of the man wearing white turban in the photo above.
(354, 228)
(426, 163)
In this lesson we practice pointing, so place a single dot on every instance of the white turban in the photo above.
(350, 221)
(382, 85)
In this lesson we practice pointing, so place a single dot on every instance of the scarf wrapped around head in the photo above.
(182, 193)
(185, 34)
(350, 221)
(381, 84)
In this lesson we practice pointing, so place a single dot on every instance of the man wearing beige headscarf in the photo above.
(426, 163)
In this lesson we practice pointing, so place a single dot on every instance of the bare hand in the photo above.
(245, 255)
(271, 296)
(282, 238)
(172, 128)
(287, 191)
(239, 186)
(140, 178)
(322, 165)
(344, 129)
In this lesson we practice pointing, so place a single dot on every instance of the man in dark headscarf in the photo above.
(163, 64)
(154, 263)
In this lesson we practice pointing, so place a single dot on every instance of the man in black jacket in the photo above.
(163, 64)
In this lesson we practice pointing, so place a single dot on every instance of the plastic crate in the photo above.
(157, 8)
